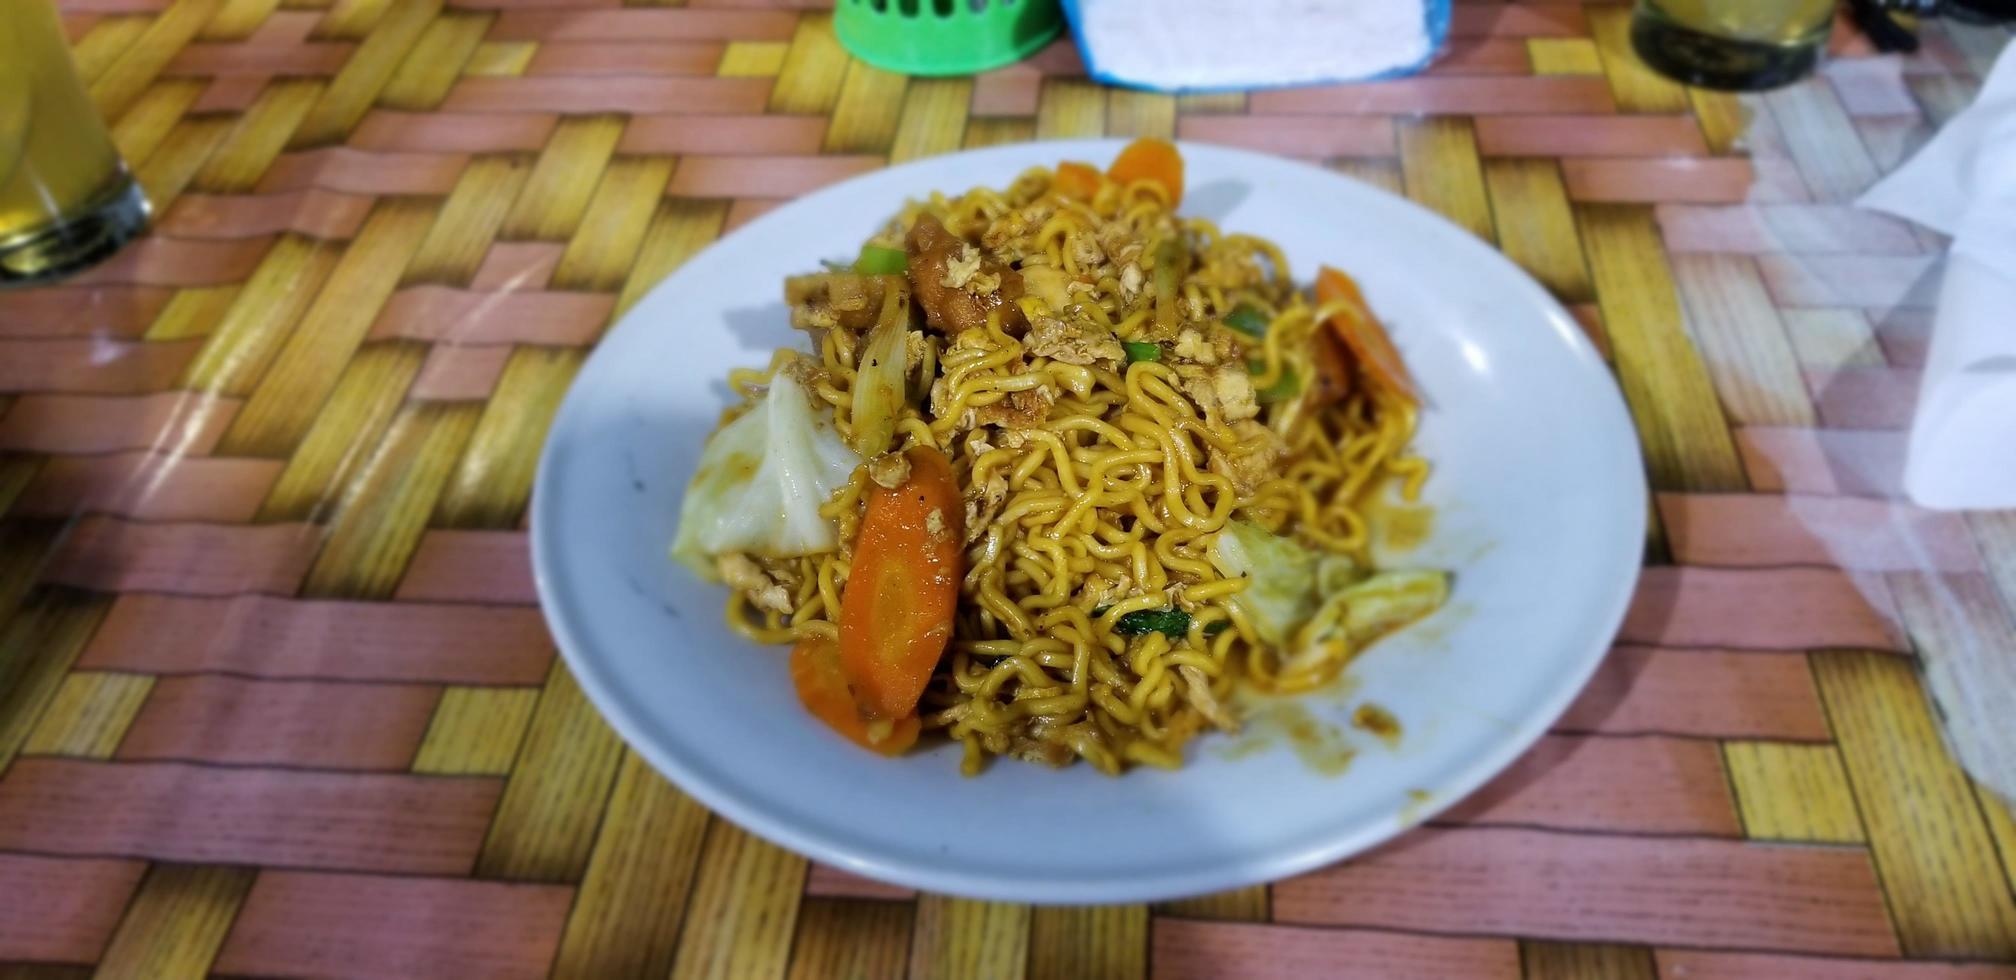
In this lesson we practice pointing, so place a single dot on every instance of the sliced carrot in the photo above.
(896, 612)
(1078, 180)
(1151, 159)
(1362, 333)
(822, 688)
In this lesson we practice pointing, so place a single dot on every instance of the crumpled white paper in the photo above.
(1963, 439)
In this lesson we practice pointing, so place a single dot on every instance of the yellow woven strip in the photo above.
(1536, 225)
(600, 255)
(681, 228)
(476, 731)
(24, 547)
(1439, 161)
(237, 19)
(808, 80)
(751, 59)
(16, 472)
(1101, 942)
(123, 82)
(351, 20)
(1383, 174)
(1832, 338)
(557, 192)
(933, 119)
(252, 331)
(1680, 422)
(1238, 905)
(1211, 103)
(545, 824)
(494, 480)
(957, 937)
(1735, 323)
(1564, 56)
(354, 88)
(470, 219)
(843, 938)
(1822, 140)
(293, 390)
(1132, 113)
(2002, 823)
(744, 909)
(437, 59)
(1070, 108)
(500, 58)
(1724, 118)
(996, 132)
(89, 714)
(1793, 792)
(192, 312)
(258, 137)
(38, 644)
(627, 916)
(870, 103)
(1541, 960)
(168, 170)
(384, 510)
(140, 131)
(102, 45)
(1635, 86)
(1926, 830)
(357, 414)
(177, 921)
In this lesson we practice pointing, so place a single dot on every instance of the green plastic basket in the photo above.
(945, 37)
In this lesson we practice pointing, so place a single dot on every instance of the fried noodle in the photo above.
(1097, 489)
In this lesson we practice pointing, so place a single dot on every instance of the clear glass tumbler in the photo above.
(1742, 45)
(66, 198)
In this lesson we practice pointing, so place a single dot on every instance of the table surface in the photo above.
(275, 697)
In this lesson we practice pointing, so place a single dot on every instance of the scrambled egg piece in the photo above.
(746, 576)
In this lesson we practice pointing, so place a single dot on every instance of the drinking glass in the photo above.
(66, 199)
(1743, 45)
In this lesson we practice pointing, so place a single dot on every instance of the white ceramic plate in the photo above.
(1540, 503)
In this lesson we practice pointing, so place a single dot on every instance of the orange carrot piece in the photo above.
(1362, 333)
(822, 688)
(1078, 180)
(1151, 159)
(896, 611)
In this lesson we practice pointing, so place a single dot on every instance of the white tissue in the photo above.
(1216, 44)
(1963, 439)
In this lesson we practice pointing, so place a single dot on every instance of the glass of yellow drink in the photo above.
(66, 199)
(1732, 44)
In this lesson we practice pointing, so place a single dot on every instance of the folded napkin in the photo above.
(1963, 440)
(1193, 45)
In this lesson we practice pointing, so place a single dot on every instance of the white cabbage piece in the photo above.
(1389, 600)
(1287, 581)
(761, 482)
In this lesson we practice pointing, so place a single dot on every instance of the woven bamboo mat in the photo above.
(275, 698)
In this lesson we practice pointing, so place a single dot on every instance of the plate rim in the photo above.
(926, 876)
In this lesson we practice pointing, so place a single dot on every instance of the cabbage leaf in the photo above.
(1289, 584)
(761, 482)
(1286, 581)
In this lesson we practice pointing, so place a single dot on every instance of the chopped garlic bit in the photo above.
(1131, 278)
(889, 470)
(961, 269)
(749, 578)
